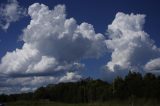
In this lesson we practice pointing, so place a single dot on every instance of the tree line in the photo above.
(134, 85)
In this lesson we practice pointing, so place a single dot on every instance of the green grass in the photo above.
(109, 103)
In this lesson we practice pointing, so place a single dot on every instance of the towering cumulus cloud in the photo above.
(130, 45)
(52, 45)
(10, 12)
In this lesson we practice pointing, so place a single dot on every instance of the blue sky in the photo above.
(99, 14)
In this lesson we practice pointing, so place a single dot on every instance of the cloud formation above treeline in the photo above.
(55, 45)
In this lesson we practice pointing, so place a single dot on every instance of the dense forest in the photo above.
(133, 86)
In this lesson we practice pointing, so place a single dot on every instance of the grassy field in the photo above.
(109, 103)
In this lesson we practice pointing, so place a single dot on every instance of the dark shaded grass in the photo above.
(141, 102)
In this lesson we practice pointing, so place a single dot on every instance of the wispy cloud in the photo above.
(10, 12)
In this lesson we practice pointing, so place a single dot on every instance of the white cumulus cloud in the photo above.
(130, 45)
(53, 47)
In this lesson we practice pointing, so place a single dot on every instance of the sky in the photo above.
(53, 41)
